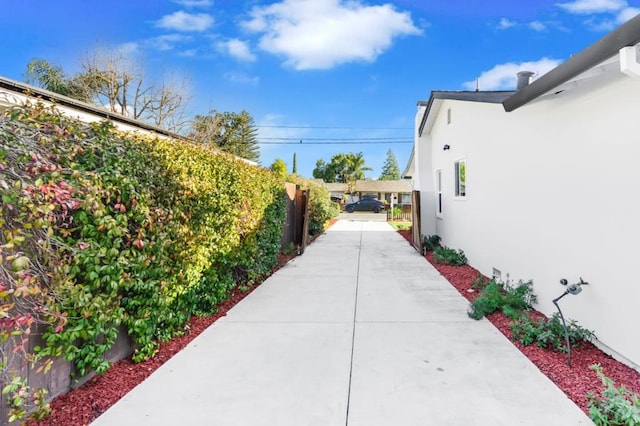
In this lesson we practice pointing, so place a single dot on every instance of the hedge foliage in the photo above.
(102, 229)
(321, 208)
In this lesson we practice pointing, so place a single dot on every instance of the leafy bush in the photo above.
(616, 406)
(479, 282)
(449, 256)
(430, 242)
(510, 300)
(103, 229)
(548, 333)
(321, 208)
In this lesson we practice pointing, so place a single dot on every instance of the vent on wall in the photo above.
(629, 61)
(496, 274)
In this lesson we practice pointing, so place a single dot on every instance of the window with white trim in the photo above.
(461, 178)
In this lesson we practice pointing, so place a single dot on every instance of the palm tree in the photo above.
(357, 166)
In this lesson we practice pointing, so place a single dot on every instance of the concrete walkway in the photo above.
(359, 331)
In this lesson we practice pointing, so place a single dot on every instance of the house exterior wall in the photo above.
(423, 177)
(550, 195)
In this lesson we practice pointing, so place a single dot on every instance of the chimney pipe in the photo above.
(524, 78)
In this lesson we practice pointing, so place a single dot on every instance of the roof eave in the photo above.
(608, 46)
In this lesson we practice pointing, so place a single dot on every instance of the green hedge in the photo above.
(321, 208)
(103, 229)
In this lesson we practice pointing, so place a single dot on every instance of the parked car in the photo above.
(366, 205)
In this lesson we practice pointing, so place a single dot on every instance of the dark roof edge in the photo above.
(494, 97)
(58, 99)
(626, 35)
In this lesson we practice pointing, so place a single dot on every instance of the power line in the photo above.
(359, 142)
(332, 127)
(336, 139)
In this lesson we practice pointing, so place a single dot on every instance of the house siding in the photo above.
(549, 195)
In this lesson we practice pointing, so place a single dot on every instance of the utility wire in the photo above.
(333, 127)
(359, 142)
(336, 139)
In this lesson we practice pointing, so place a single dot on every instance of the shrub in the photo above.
(449, 256)
(510, 300)
(102, 229)
(430, 242)
(479, 282)
(548, 333)
(321, 208)
(617, 406)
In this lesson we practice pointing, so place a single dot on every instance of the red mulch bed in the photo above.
(575, 381)
(86, 403)
(83, 405)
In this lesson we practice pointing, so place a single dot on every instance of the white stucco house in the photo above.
(538, 184)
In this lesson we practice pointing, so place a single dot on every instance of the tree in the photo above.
(279, 167)
(356, 166)
(231, 132)
(390, 169)
(345, 168)
(46, 75)
(294, 169)
(114, 79)
(321, 172)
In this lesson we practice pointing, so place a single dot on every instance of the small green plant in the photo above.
(548, 333)
(400, 226)
(21, 399)
(479, 282)
(430, 242)
(449, 256)
(615, 406)
(510, 300)
(289, 249)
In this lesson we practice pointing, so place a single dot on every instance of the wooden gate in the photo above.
(297, 226)
(416, 228)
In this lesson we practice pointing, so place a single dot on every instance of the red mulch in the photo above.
(575, 381)
(83, 405)
(86, 403)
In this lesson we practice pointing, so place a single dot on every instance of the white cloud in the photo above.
(503, 76)
(238, 49)
(321, 34)
(129, 48)
(585, 7)
(167, 41)
(611, 23)
(537, 26)
(242, 78)
(194, 3)
(189, 53)
(183, 21)
(506, 23)
(627, 13)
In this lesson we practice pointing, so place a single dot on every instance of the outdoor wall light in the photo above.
(574, 289)
(446, 147)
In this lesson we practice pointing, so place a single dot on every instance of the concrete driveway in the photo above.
(363, 216)
(359, 331)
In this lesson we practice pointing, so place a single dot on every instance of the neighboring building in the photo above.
(336, 190)
(16, 93)
(538, 184)
(384, 190)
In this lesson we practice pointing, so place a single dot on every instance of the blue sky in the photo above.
(334, 74)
